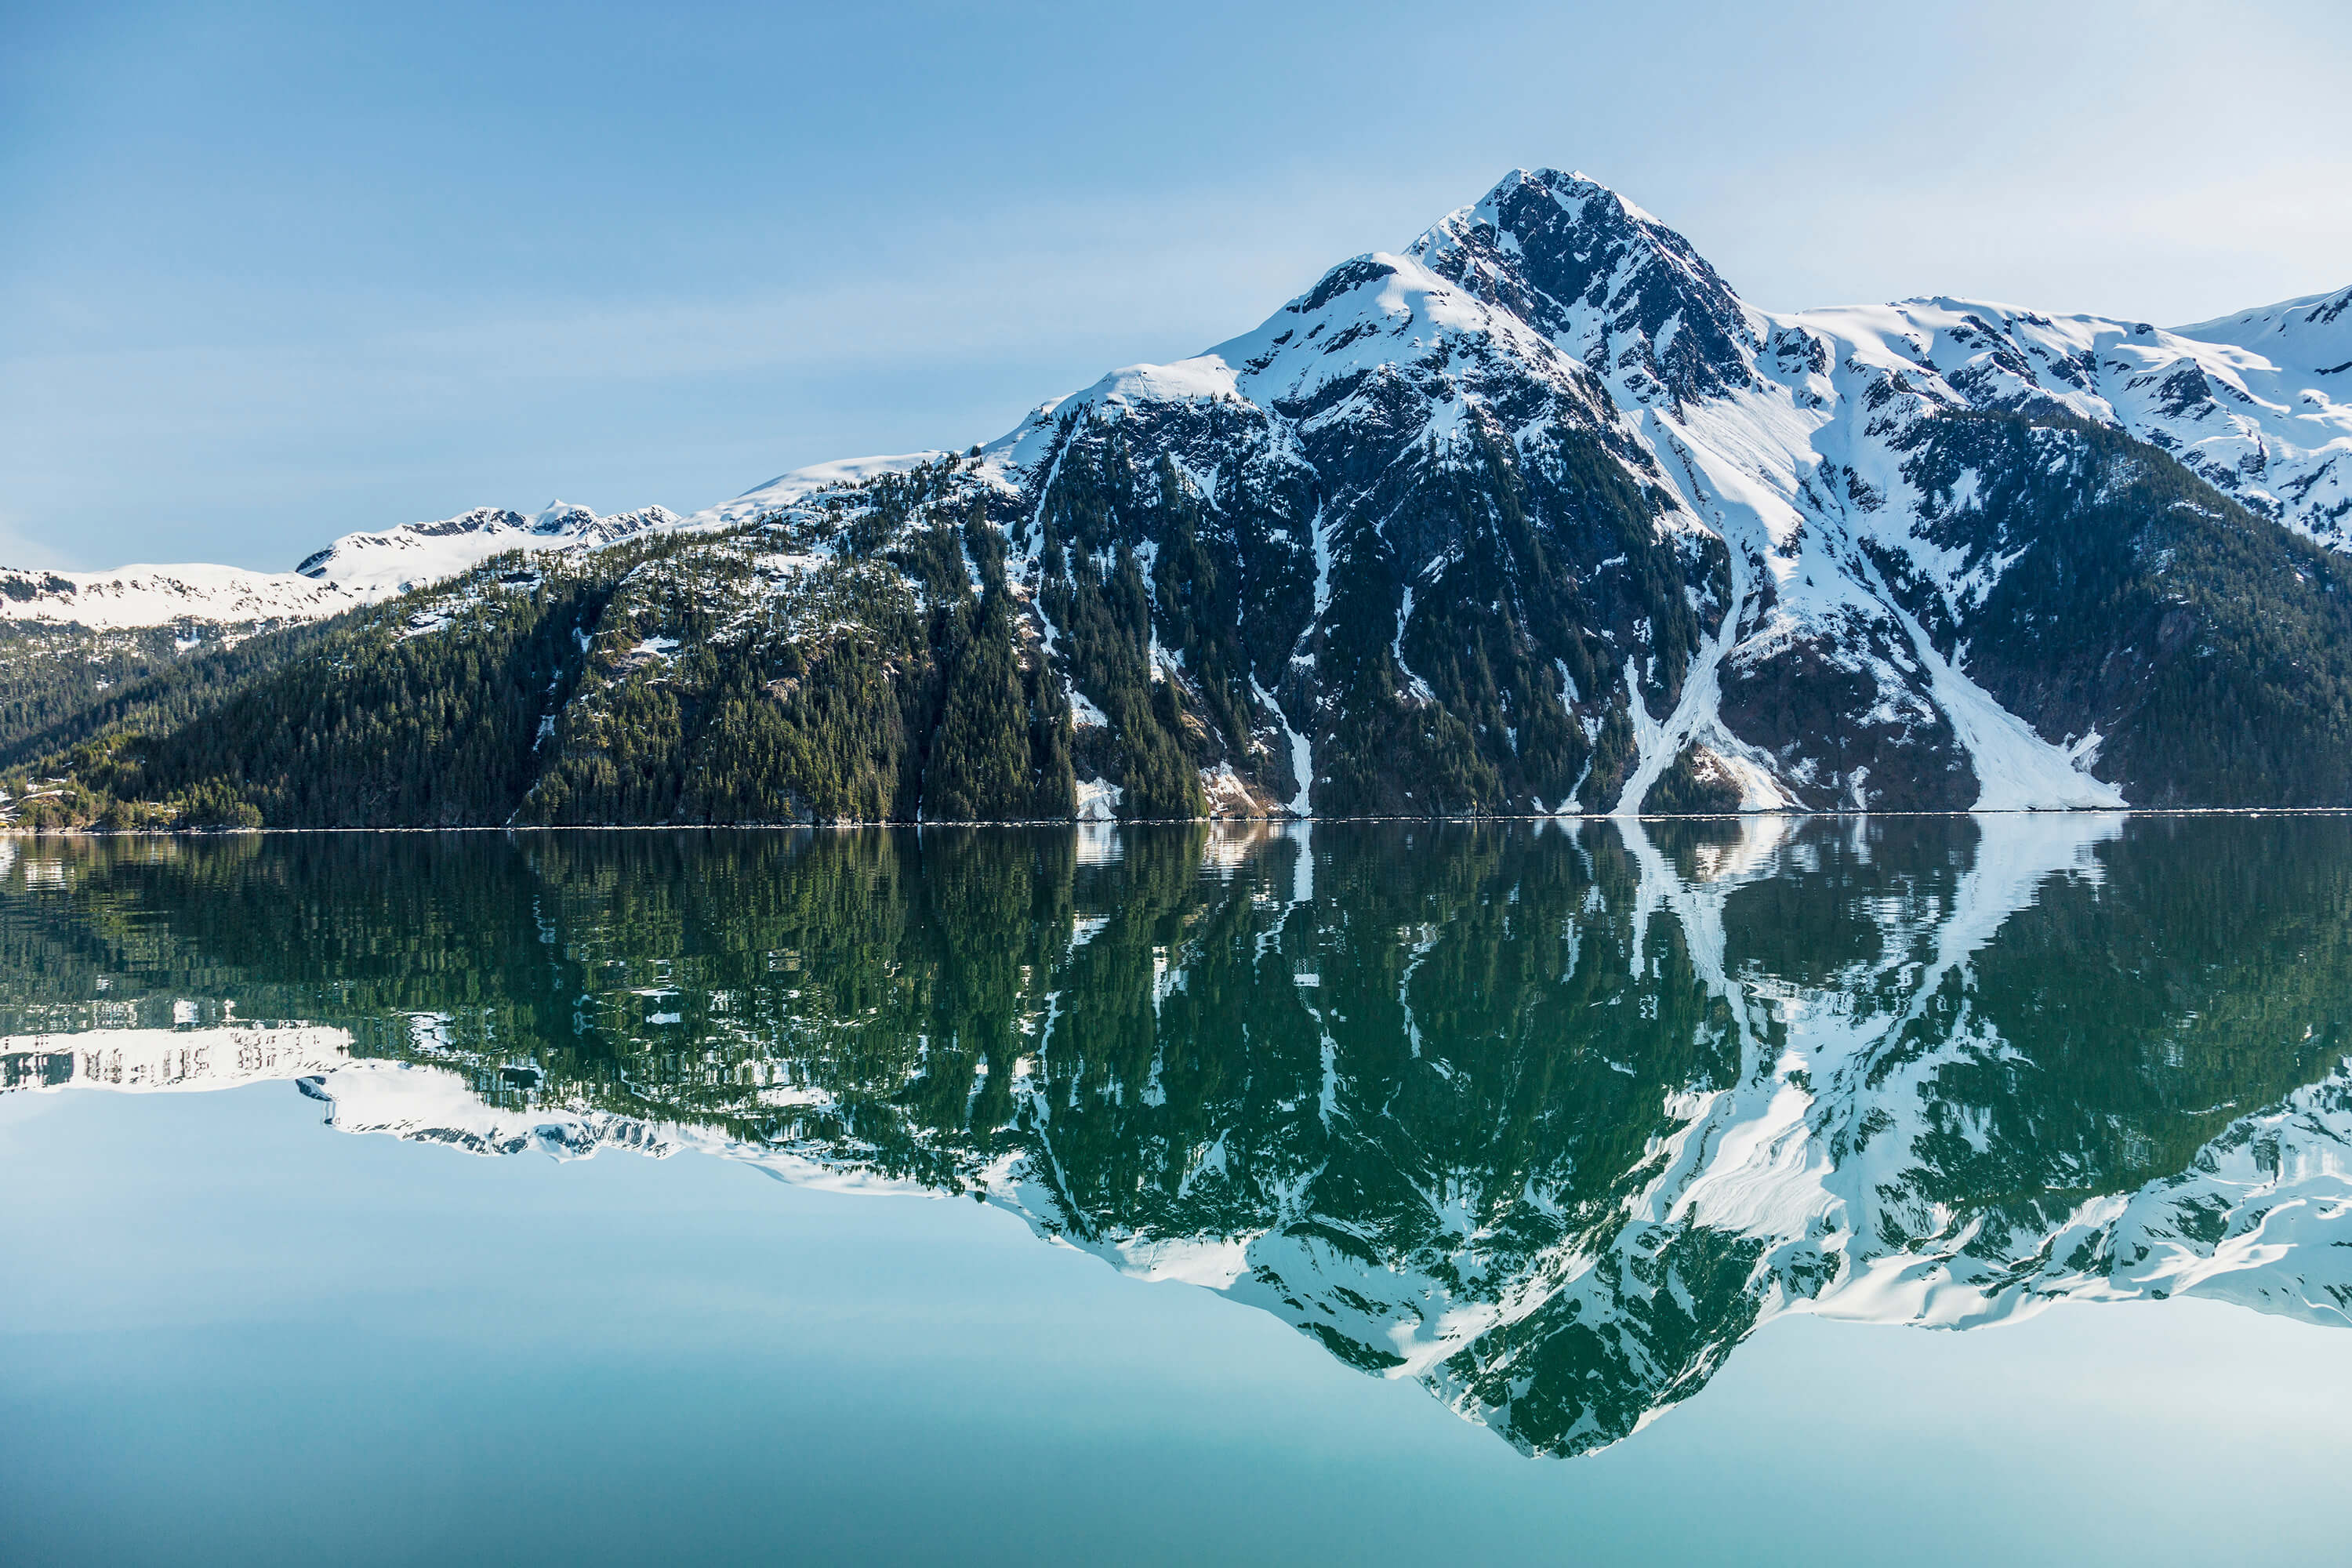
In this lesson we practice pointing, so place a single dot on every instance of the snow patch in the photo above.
(1097, 801)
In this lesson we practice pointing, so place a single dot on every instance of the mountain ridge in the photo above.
(1534, 516)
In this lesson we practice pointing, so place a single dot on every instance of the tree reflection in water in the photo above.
(1549, 1117)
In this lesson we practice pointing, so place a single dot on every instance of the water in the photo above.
(1365, 1193)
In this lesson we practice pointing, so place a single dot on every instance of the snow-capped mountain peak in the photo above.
(559, 516)
(1605, 280)
(1551, 313)
(1536, 514)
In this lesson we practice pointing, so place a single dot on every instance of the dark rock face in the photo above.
(1575, 260)
(2209, 650)
(1460, 648)
(1814, 707)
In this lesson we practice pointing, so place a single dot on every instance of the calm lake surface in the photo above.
(1946, 1189)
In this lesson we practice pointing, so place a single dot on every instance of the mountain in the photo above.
(1548, 1119)
(372, 566)
(136, 597)
(357, 569)
(1537, 516)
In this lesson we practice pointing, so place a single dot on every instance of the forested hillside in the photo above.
(869, 657)
(2209, 650)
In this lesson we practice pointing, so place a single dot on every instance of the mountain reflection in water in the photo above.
(1548, 1118)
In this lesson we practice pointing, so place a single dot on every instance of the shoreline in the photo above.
(1282, 822)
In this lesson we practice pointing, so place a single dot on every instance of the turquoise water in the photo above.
(1944, 1187)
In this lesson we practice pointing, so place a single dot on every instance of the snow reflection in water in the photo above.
(1548, 1118)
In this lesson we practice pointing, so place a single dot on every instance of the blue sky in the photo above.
(273, 273)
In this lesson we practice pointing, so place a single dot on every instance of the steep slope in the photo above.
(2262, 426)
(2190, 655)
(2295, 364)
(1821, 448)
(1844, 589)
